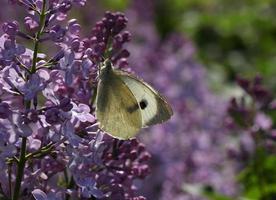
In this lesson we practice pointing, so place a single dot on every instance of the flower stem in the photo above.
(10, 178)
(22, 159)
(69, 184)
(38, 34)
(20, 169)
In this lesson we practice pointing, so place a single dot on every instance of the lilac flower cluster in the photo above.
(51, 147)
(252, 111)
(106, 38)
(253, 115)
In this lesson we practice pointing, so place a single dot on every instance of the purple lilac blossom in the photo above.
(49, 105)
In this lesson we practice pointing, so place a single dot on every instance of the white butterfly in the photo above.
(125, 104)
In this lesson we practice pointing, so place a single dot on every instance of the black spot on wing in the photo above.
(143, 104)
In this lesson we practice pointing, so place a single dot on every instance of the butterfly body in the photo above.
(125, 104)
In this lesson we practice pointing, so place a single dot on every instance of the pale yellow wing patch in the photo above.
(116, 107)
(153, 106)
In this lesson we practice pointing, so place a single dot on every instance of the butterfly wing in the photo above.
(153, 106)
(116, 107)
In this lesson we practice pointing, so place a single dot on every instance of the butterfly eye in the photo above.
(143, 104)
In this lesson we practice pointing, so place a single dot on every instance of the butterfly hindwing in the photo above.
(154, 108)
(117, 109)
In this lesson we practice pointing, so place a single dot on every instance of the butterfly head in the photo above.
(105, 68)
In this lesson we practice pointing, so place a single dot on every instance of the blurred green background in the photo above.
(232, 37)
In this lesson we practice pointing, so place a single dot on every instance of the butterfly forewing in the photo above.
(153, 106)
(116, 107)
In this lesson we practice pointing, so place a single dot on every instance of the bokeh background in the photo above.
(192, 51)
